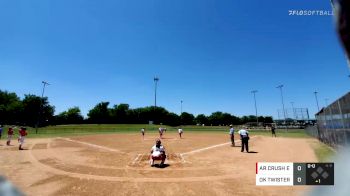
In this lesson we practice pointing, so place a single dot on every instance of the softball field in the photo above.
(117, 164)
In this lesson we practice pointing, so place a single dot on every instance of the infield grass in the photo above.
(322, 151)
(88, 129)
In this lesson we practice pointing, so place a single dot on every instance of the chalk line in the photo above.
(91, 145)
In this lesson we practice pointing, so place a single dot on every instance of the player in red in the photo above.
(19, 135)
(9, 136)
(23, 133)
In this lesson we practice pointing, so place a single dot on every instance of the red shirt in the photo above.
(10, 132)
(23, 132)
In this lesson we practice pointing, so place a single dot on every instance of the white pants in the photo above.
(9, 137)
(21, 140)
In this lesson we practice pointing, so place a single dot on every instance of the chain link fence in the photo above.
(333, 123)
(294, 114)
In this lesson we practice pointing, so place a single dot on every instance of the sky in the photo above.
(210, 54)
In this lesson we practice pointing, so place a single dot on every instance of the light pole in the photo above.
(181, 107)
(256, 109)
(294, 116)
(155, 79)
(284, 112)
(41, 105)
(318, 107)
(181, 113)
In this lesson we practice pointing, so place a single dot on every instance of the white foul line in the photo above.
(92, 145)
(135, 160)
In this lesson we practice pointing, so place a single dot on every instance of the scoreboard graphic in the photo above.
(291, 174)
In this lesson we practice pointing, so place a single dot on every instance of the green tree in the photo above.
(10, 108)
(268, 119)
(201, 119)
(226, 119)
(120, 113)
(100, 114)
(216, 118)
(172, 119)
(71, 116)
(37, 109)
(187, 118)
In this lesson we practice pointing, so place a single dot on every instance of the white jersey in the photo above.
(232, 131)
(180, 130)
(142, 130)
(243, 133)
(158, 149)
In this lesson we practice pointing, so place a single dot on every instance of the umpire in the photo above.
(244, 138)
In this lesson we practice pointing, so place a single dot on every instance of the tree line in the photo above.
(33, 110)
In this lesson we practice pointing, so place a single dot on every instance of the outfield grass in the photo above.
(322, 151)
(88, 129)
(292, 133)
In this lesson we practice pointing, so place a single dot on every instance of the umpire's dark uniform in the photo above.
(245, 138)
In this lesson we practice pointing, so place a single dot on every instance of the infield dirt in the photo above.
(117, 164)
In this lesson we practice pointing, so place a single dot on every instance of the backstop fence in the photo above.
(333, 123)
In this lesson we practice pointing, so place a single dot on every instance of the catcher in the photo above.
(157, 153)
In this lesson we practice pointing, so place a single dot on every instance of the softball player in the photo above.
(23, 133)
(157, 153)
(232, 135)
(9, 136)
(161, 130)
(180, 132)
(143, 133)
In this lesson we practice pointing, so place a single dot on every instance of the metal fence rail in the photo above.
(333, 123)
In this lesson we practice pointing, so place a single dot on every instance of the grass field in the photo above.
(322, 151)
(113, 160)
(87, 129)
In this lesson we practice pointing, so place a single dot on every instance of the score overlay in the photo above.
(291, 174)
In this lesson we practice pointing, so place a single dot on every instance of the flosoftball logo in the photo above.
(310, 13)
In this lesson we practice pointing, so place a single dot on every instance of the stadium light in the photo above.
(318, 107)
(284, 112)
(41, 105)
(156, 79)
(256, 109)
